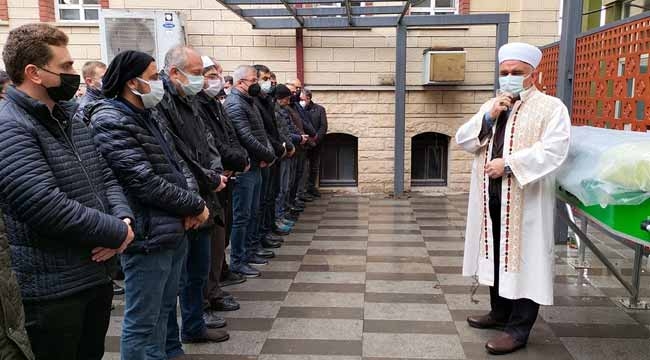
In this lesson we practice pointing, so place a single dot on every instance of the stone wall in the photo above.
(369, 115)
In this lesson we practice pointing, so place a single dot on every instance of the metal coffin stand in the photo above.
(568, 215)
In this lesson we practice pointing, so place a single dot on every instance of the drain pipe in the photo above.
(300, 56)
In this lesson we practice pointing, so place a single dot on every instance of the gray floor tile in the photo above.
(401, 268)
(402, 287)
(312, 347)
(397, 251)
(334, 260)
(330, 277)
(323, 299)
(316, 329)
(607, 349)
(413, 312)
(416, 346)
(321, 313)
(585, 315)
(240, 343)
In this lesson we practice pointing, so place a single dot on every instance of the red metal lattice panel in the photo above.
(612, 81)
(547, 69)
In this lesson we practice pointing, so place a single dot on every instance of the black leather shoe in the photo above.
(271, 237)
(224, 304)
(485, 322)
(213, 321)
(268, 244)
(315, 193)
(280, 232)
(257, 260)
(306, 198)
(292, 217)
(266, 254)
(246, 270)
(231, 278)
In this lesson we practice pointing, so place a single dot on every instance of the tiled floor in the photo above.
(378, 279)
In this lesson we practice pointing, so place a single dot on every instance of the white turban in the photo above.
(520, 51)
(207, 62)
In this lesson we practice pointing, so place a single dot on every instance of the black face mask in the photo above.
(254, 90)
(67, 89)
(295, 98)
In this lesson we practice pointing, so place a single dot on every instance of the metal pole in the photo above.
(582, 248)
(636, 274)
(502, 39)
(571, 25)
(400, 107)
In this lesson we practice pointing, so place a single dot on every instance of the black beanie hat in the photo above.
(124, 67)
(281, 91)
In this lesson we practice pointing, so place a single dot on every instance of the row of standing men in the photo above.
(165, 168)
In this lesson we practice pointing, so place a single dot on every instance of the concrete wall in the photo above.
(349, 70)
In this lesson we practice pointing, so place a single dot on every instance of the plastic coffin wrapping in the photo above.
(607, 167)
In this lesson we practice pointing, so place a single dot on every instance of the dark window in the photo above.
(429, 159)
(339, 161)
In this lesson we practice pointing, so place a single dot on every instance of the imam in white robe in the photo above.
(536, 143)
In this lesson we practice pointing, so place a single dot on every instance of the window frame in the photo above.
(80, 8)
(338, 142)
(437, 10)
(444, 171)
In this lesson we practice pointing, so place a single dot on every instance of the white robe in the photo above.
(536, 148)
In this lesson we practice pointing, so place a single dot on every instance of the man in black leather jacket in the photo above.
(244, 239)
(64, 212)
(183, 80)
(318, 117)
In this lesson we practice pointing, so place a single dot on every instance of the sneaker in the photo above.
(291, 223)
(282, 227)
(231, 278)
(224, 304)
(209, 336)
(212, 320)
(246, 270)
(256, 260)
(117, 289)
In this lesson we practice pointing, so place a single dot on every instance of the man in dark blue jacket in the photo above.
(154, 178)
(318, 118)
(65, 213)
(245, 116)
(92, 73)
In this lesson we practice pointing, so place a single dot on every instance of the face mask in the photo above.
(223, 101)
(153, 97)
(254, 90)
(303, 103)
(227, 91)
(214, 87)
(295, 98)
(513, 84)
(67, 89)
(266, 86)
(194, 85)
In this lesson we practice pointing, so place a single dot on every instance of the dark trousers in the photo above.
(225, 197)
(70, 328)
(520, 314)
(217, 258)
(314, 167)
(270, 189)
(302, 172)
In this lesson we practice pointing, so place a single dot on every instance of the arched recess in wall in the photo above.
(339, 160)
(429, 159)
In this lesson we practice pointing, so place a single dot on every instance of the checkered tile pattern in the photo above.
(379, 279)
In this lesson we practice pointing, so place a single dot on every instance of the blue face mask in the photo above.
(513, 84)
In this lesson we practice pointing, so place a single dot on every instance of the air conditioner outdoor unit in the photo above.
(443, 66)
(152, 32)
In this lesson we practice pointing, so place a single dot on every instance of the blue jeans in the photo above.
(194, 278)
(151, 286)
(245, 201)
(285, 177)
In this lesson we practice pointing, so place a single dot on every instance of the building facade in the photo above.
(351, 73)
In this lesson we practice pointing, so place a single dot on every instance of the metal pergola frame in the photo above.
(290, 14)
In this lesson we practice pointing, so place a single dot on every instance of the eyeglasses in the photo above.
(253, 80)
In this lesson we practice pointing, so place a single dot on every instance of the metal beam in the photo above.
(502, 39)
(400, 107)
(404, 11)
(348, 11)
(356, 10)
(291, 9)
(237, 10)
(444, 20)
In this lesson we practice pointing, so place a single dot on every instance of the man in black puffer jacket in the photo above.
(270, 176)
(183, 80)
(244, 239)
(153, 177)
(64, 211)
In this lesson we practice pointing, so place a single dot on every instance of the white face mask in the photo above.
(214, 87)
(266, 86)
(153, 97)
(227, 91)
(513, 84)
(303, 103)
(223, 101)
(194, 85)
